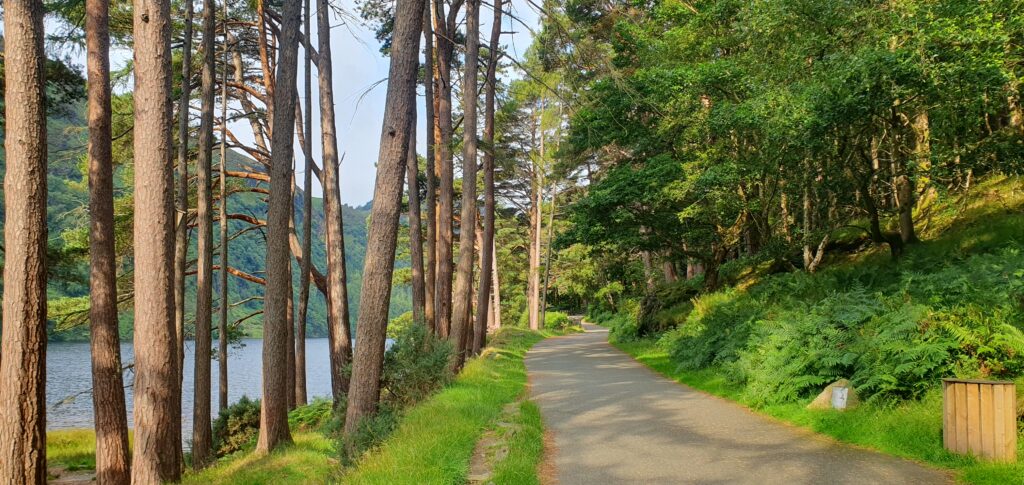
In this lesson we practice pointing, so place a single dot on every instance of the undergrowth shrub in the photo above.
(556, 321)
(893, 328)
(315, 416)
(415, 366)
(236, 427)
(371, 432)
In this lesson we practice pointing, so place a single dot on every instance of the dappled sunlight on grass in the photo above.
(311, 459)
(435, 440)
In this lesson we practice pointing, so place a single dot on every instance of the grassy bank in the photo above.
(433, 442)
(910, 429)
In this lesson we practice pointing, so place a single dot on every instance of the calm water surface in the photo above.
(69, 379)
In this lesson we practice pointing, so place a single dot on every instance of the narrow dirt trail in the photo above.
(615, 421)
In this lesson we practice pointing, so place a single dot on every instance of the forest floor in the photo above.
(615, 421)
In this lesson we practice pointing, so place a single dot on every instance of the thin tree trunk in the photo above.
(415, 226)
(547, 259)
(497, 290)
(307, 219)
(222, 330)
(112, 465)
(383, 232)
(446, 184)
(487, 242)
(339, 331)
(461, 323)
(201, 431)
(533, 298)
(157, 410)
(23, 367)
(181, 202)
(274, 406)
(430, 269)
(290, 320)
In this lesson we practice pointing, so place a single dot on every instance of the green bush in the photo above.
(372, 431)
(316, 415)
(415, 366)
(556, 320)
(236, 427)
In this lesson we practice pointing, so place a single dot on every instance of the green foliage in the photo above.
(318, 415)
(557, 321)
(236, 427)
(416, 366)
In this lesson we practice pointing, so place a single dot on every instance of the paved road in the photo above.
(615, 421)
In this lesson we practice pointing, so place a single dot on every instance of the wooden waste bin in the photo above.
(980, 418)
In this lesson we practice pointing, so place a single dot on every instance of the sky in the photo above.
(360, 88)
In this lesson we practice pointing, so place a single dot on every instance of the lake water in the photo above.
(69, 379)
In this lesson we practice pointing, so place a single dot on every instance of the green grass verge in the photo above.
(525, 443)
(435, 440)
(911, 429)
(73, 449)
(310, 459)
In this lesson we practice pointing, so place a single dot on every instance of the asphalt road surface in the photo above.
(612, 420)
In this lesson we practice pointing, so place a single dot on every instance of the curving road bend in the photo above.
(613, 421)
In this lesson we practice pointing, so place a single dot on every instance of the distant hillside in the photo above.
(67, 218)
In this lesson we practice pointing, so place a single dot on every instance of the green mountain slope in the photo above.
(67, 217)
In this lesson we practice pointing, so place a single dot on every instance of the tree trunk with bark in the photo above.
(157, 446)
(201, 430)
(112, 462)
(496, 324)
(222, 329)
(339, 331)
(274, 406)
(446, 181)
(181, 200)
(383, 232)
(430, 269)
(23, 366)
(415, 226)
(462, 299)
(547, 258)
(487, 241)
(305, 267)
(533, 297)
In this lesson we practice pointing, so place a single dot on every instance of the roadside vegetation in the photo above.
(950, 308)
(405, 443)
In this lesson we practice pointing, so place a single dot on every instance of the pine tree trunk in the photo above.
(497, 290)
(446, 181)
(484, 312)
(112, 462)
(274, 406)
(339, 332)
(430, 269)
(201, 431)
(547, 259)
(415, 226)
(222, 330)
(157, 410)
(181, 200)
(533, 298)
(383, 231)
(461, 323)
(23, 366)
(307, 219)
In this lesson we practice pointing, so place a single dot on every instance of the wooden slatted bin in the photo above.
(980, 418)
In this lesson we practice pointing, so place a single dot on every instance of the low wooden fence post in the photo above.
(980, 418)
